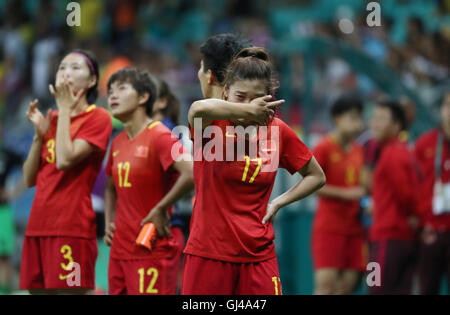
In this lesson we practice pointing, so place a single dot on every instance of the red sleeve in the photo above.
(294, 154)
(321, 154)
(168, 147)
(97, 129)
(109, 163)
(419, 150)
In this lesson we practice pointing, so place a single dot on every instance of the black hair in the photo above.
(163, 89)
(92, 93)
(397, 112)
(141, 81)
(346, 104)
(219, 50)
(253, 63)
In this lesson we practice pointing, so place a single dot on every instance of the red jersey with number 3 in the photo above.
(142, 174)
(342, 169)
(62, 203)
(232, 198)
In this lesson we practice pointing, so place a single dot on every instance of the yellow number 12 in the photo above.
(126, 166)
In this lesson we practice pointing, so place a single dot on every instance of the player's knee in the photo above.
(325, 284)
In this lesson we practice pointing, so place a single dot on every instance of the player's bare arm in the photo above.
(352, 193)
(110, 210)
(313, 179)
(185, 183)
(260, 110)
(41, 124)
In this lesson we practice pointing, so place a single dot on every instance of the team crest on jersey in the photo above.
(141, 151)
(336, 157)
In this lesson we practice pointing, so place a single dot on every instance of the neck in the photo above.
(158, 116)
(137, 122)
(341, 139)
(216, 91)
(446, 130)
(80, 107)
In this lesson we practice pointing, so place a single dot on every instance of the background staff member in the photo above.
(433, 153)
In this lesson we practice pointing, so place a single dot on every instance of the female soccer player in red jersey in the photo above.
(230, 248)
(339, 250)
(148, 172)
(60, 246)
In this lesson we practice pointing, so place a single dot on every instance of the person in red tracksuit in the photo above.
(433, 153)
(395, 197)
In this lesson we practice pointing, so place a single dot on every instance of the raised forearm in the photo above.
(64, 143)
(216, 109)
(308, 185)
(31, 166)
(183, 185)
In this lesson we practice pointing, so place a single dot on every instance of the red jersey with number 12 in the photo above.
(142, 177)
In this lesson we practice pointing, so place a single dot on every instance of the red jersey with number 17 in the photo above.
(142, 174)
(342, 169)
(62, 203)
(232, 197)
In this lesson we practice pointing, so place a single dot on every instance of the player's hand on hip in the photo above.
(272, 210)
(38, 120)
(160, 218)
(264, 108)
(109, 234)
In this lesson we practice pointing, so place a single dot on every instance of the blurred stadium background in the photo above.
(322, 49)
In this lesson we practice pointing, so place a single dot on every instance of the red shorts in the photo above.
(343, 252)
(146, 276)
(202, 276)
(58, 263)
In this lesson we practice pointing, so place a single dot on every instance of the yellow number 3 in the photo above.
(66, 250)
(51, 151)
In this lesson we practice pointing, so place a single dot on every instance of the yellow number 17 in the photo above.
(247, 166)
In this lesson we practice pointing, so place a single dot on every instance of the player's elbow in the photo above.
(63, 165)
(195, 111)
(29, 180)
(321, 179)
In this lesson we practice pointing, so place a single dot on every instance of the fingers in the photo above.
(33, 105)
(145, 221)
(52, 90)
(167, 230)
(267, 218)
(275, 104)
(79, 95)
(48, 115)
